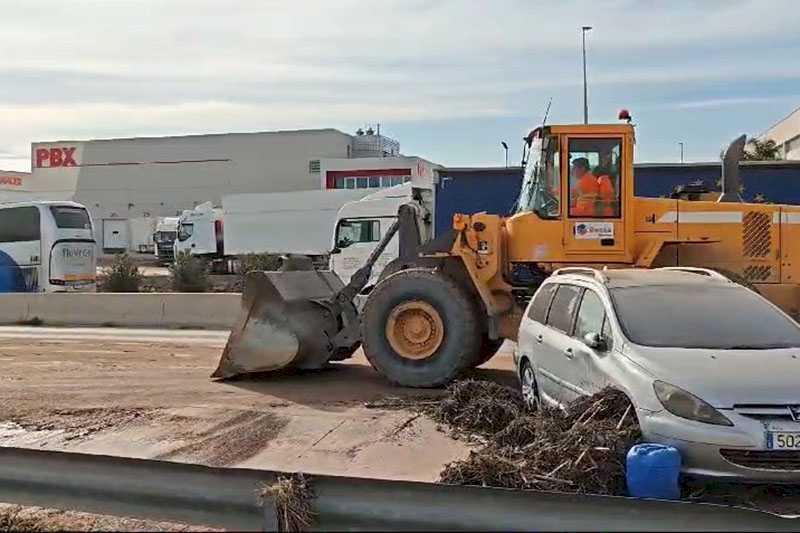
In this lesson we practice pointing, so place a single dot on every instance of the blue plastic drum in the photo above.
(653, 471)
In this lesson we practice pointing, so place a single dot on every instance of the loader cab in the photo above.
(576, 199)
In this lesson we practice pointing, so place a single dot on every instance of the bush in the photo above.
(124, 275)
(189, 273)
(251, 262)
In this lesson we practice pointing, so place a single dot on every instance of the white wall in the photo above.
(787, 134)
(152, 177)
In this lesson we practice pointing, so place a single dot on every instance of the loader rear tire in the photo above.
(420, 328)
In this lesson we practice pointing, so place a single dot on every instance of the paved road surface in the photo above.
(146, 393)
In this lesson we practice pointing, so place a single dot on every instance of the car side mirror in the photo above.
(336, 250)
(595, 341)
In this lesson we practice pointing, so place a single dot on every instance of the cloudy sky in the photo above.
(449, 79)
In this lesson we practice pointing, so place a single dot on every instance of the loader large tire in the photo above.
(420, 328)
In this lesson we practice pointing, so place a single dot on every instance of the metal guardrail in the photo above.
(229, 498)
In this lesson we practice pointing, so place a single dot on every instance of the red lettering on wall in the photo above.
(55, 157)
(15, 181)
(42, 155)
(68, 160)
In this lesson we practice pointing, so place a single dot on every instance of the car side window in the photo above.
(563, 308)
(608, 334)
(541, 303)
(591, 316)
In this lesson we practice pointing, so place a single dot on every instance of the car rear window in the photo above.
(712, 316)
(541, 303)
(563, 307)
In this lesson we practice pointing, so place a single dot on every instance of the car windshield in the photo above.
(693, 316)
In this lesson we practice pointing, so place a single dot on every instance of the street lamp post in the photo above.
(584, 29)
(505, 147)
(681, 145)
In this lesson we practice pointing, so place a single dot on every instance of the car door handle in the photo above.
(569, 353)
(539, 338)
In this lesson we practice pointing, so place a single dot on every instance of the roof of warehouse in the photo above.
(197, 135)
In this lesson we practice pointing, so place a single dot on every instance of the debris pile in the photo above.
(292, 496)
(478, 408)
(582, 450)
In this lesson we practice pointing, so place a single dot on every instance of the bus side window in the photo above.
(20, 224)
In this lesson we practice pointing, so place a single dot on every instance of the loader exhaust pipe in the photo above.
(731, 179)
(296, 319)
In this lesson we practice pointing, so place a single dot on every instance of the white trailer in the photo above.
(283, 223)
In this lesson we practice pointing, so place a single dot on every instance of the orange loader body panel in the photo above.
(759, 242)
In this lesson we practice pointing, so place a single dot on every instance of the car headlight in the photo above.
(685, 405)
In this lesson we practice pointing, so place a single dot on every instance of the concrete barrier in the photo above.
(162, 310)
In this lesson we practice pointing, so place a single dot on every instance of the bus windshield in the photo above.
(541, 182)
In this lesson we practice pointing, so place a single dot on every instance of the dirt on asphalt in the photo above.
(19, 518)
(155, 400)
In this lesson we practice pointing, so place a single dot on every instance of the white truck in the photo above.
(359, 227)
(296, 223)
(164, 238)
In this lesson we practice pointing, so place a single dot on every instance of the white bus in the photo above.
(46, 247)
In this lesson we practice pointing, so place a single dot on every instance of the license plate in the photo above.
(783, 440)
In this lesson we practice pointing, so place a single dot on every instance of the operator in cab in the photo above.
(590, 195)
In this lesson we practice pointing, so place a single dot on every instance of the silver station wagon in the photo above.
(711, 367)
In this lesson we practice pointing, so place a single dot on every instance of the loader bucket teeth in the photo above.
(287, 321)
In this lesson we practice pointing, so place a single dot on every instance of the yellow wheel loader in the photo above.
(447, 305)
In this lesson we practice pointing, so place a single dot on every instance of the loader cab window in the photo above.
(353, 231)
(541, 187)
(595, 178)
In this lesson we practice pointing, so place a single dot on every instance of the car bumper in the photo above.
(724, 453)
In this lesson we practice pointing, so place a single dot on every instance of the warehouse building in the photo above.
(786, 134)
(128, 183)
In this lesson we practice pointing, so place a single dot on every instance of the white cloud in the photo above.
(126, 67)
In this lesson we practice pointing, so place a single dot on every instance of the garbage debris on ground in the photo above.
(292, 496)
(582, 450)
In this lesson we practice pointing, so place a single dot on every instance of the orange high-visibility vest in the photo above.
(592, 196)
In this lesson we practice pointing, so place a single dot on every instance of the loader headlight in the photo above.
(685, 405)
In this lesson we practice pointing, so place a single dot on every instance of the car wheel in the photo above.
(530, 393)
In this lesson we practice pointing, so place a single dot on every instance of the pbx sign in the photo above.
(55, 157)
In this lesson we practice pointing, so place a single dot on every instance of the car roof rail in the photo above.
(595, 273)
(697, 270)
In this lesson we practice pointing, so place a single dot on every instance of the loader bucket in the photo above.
(287, 320)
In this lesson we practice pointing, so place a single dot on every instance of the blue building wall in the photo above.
(494, 190)
(472, 190)
(776, 182)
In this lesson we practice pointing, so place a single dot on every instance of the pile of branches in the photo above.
(478, 408)
(582, 450)
(292, 496)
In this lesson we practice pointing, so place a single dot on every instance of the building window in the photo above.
(368, 182)
(313, 166)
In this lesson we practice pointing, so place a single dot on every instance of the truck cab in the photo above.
(360, 224)
(200, 231)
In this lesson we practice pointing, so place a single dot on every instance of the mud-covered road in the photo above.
(147, 394)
